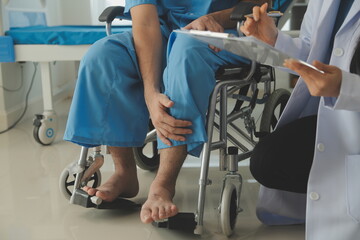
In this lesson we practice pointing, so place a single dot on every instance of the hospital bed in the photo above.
(37, 42)
(234, 82)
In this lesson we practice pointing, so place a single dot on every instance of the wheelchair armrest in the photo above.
(110, 13)
(242, 9)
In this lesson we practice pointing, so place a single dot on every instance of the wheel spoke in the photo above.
(72, 183)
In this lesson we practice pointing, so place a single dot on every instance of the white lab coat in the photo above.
(333, 197)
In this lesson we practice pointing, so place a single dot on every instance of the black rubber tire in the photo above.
(150, 163)
(66, 183)
(273, 109)
(228, 209)
(145, 161)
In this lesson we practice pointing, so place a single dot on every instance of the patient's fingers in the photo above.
(171, 121)
(166, 132)
(176, 130)
(163, 138)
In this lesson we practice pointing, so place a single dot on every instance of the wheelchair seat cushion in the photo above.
(61, 35)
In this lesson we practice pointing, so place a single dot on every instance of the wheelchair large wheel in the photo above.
(67, 182)
(228, 209)
(147, 157)
(273, 109)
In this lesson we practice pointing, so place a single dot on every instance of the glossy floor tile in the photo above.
(32, 207)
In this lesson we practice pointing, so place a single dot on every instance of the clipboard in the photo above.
(247, 47)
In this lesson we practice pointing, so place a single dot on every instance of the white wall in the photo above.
(59, 12)
(74, 12)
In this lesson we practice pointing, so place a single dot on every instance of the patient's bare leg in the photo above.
(159, 204)
(123, 182)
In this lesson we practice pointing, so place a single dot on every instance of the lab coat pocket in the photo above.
(353, 187)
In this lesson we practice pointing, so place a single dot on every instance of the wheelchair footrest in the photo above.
(80, 197)
(182, 221)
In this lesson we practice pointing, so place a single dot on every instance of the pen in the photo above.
(270, 14)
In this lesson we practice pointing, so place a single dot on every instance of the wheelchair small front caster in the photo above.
(45, 127)
(228, 209)
(67, 180)
(184, 222)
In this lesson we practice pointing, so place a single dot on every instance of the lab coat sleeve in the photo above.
(294, 47)
(299, 47)
(349, 97)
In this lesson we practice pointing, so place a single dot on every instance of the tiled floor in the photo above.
(32, 207)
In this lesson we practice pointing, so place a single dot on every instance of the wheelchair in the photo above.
(234, 83)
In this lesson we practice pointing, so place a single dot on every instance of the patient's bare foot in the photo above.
(124, 182)
(116, 186)
(159, 204)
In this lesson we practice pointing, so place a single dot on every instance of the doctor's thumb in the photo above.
(324, 67)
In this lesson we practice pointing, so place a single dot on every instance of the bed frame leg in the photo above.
(45, 125)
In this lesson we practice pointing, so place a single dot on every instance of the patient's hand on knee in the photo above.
(167, 127)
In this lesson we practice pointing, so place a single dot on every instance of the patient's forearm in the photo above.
(148, 44)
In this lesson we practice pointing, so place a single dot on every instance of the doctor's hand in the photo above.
(167, 127)
(261, 26)
(325, 84)
(206, 23)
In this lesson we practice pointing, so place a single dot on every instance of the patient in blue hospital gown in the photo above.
(127, 78)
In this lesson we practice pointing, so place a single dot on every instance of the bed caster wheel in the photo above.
(67, 180)
(184, 222)
(228, 209)
(45, 127)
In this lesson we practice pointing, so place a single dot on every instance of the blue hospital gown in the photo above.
(108, 106)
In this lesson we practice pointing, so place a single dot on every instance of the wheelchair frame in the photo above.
(86, 169)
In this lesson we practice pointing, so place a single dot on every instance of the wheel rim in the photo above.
(69, 182)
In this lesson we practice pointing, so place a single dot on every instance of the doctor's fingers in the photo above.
(302, 69)
(248, 27)
(319, 84)
(259, 12)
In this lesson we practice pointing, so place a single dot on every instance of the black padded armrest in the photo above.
(242, 9)
(110, 13)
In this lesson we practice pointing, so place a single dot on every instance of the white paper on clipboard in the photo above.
(247, 47)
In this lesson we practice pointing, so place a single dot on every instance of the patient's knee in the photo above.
(106, 51)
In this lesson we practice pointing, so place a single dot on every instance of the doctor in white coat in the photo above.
(330, 205)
